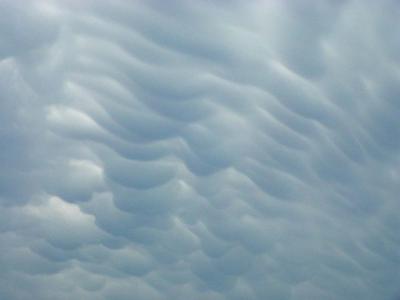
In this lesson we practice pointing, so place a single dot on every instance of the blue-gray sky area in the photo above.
(199, 150)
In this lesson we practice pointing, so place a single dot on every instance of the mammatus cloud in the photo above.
(199, 150)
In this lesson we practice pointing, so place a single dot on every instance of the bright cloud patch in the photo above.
(217, 150)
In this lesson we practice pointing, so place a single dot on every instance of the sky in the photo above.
(199, 150)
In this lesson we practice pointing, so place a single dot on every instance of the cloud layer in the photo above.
(199, 150)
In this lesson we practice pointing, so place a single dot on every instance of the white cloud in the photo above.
(199, 150)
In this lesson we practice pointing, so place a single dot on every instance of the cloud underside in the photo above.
(199, 150)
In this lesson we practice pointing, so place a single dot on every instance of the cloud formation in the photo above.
(199, 150)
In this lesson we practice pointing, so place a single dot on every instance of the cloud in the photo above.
(214, 150)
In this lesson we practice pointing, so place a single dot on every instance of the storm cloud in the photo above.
(221, 150)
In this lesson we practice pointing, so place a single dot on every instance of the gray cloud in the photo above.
(199, 150)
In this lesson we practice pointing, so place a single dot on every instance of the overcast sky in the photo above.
(200, 150)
